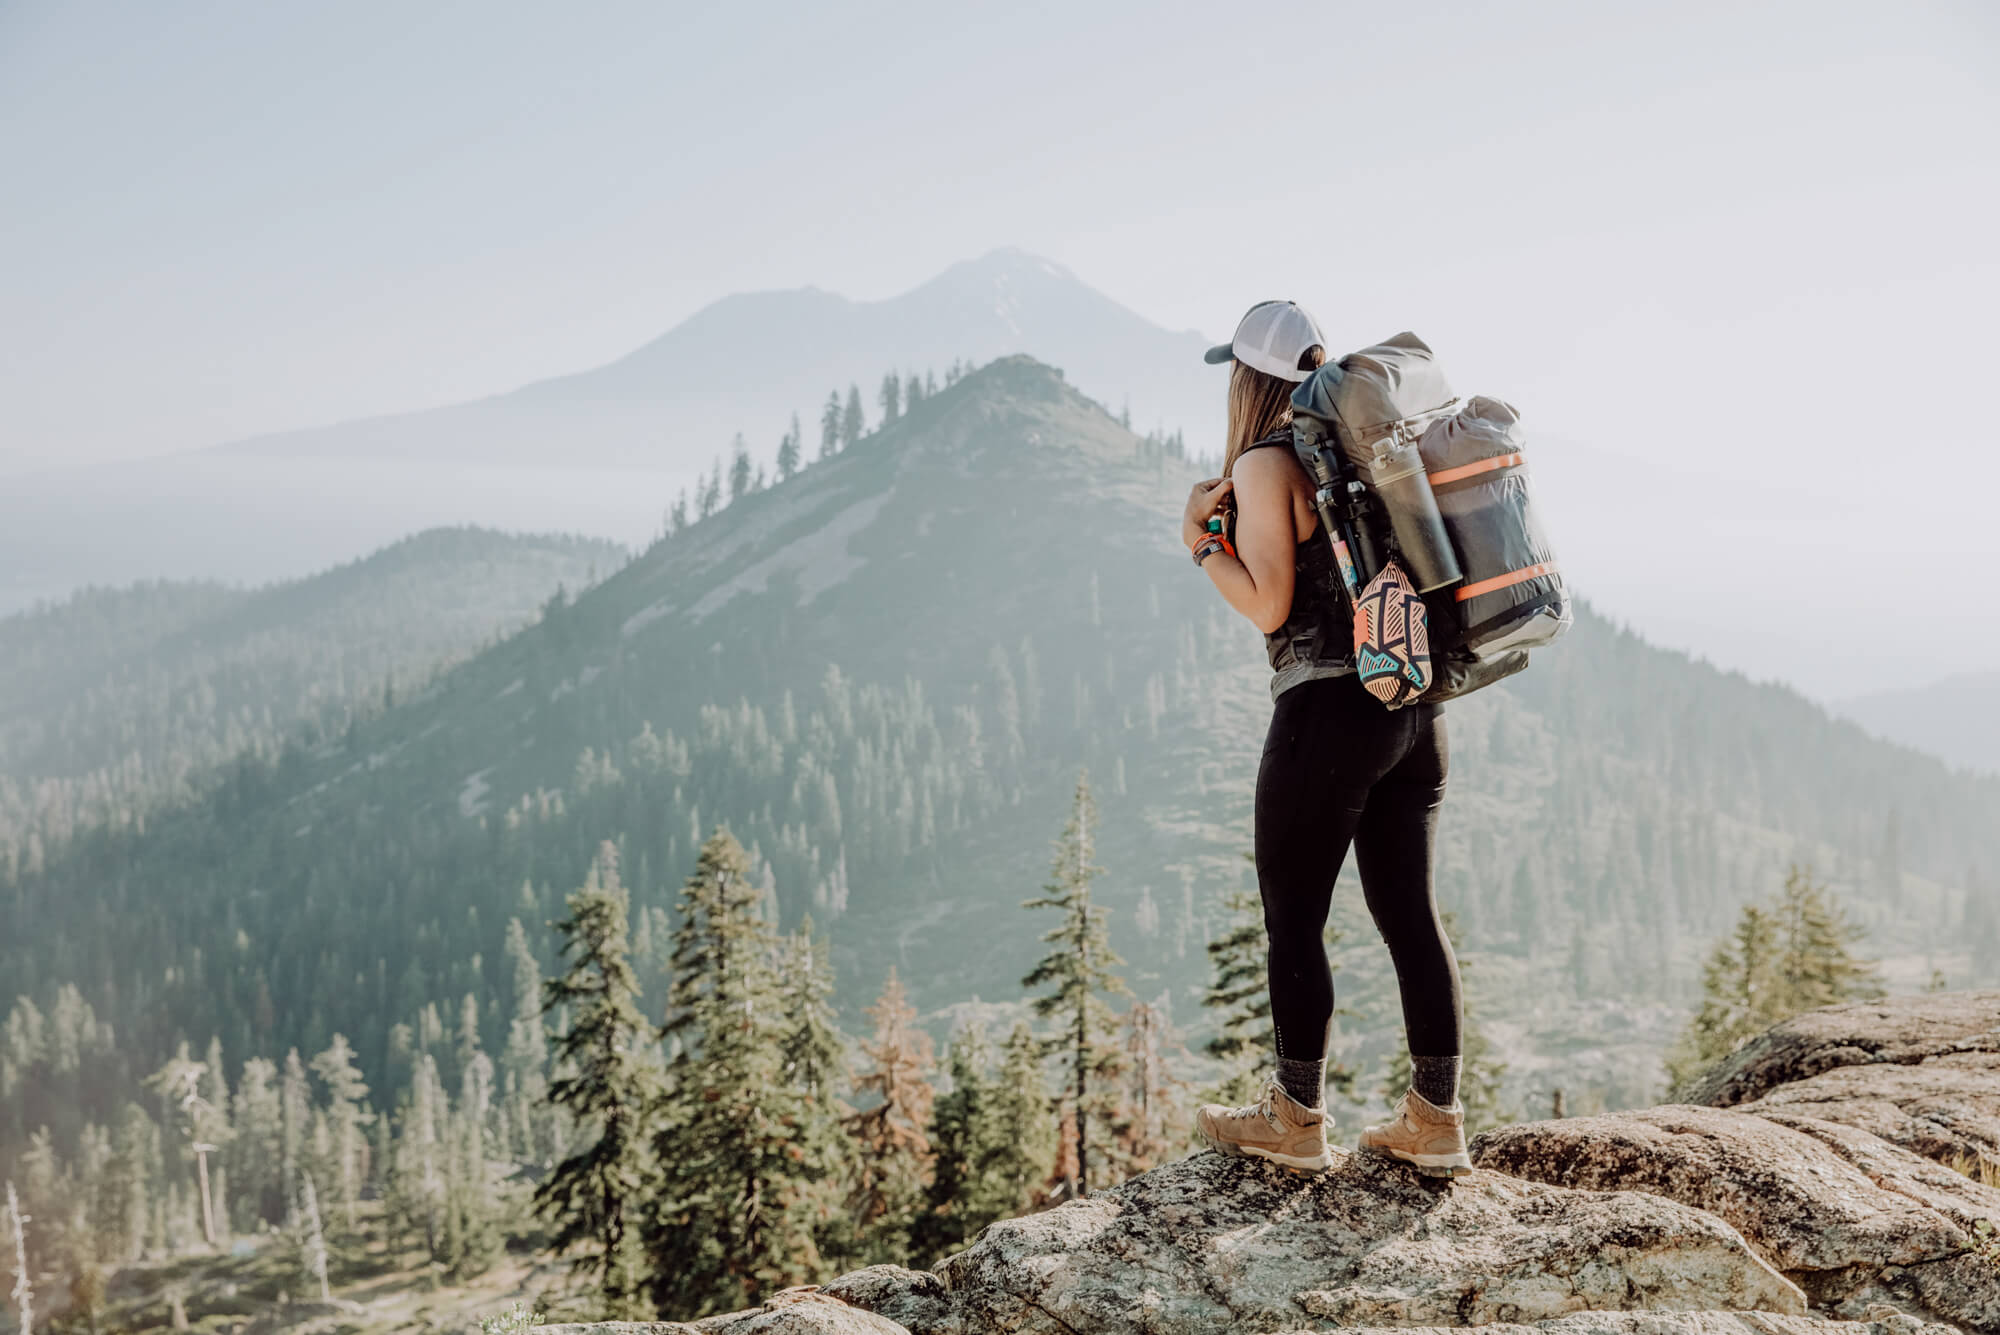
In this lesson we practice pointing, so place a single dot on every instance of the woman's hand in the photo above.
(1206, 498)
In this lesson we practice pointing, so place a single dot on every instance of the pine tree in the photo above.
(257, 1151)
(708, 492)
(23, 1292)
(346, 1092)
(1023, 1138)
(606, 1085)
(419, 1184)
(214, 1088)
(737, 1211)
(179, 1083)
(1738, 985)
(789, 450)
(133, 1170)
(1790, 956)
(963, 1144)
(295, 1120)
(472, 1225)
(311, 1240)
(890, 396)
(524, 1062)
(1079, 967)
(739, 469)
(1149, 1122)
(851, 422)
(1816, 963)
(813, 1053)
(829, 426)
(893, 1152)
(1238, 988)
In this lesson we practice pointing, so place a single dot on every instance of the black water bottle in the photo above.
(1397, 473)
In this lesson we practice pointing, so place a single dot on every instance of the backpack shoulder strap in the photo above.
(1282, 436)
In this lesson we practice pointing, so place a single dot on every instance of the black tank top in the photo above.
(1317, 639)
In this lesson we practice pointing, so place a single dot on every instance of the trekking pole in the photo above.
(1341, 499)
(1339, 494)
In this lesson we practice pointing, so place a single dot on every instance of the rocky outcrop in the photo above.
(614, 1328)
(1899, 1031)
(1807, 1193)
(917, 1299)
(1946, 1107)
(1850, 1218)
(831, 1321)
(801, 1311)
(1701, 1323)
(1216, 1244)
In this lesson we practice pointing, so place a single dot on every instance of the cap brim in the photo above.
(1219, 354)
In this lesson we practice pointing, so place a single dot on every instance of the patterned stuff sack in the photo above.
(1392, 643)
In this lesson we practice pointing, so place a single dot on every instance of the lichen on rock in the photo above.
(1211, 1243)
(1897, 1031)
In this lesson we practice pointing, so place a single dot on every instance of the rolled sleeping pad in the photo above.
(1513, 595)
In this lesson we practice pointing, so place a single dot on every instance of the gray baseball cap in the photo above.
(1271, 337)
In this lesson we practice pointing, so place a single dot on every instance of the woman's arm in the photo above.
(1257, 581)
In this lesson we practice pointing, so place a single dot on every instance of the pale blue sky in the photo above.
(1759, 233)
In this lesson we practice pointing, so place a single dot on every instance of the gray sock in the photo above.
(1303, 1080)
(1435, 1079)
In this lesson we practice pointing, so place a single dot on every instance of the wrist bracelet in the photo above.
(1213, 535)
(1208, 547)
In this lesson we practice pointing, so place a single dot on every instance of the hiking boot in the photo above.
(1424, 1134)
(1276, 1127)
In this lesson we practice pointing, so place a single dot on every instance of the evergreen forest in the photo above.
(861, 863)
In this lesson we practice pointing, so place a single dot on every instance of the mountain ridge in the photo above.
(116, 699)
(884, 674)
(1956, 718)
(731, 366)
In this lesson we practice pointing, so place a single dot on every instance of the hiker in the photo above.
(1338, 768)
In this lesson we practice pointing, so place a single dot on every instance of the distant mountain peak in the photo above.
(1007, 269)
(1013, 259)
(747, 363)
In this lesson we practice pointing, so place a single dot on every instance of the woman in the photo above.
(1338, 769)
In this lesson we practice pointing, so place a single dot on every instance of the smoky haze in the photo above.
(1736, 262)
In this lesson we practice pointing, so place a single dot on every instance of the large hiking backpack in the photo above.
(1512, 597)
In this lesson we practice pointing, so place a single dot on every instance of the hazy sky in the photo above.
(1763, 229)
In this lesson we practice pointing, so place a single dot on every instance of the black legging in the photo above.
(1338, 768)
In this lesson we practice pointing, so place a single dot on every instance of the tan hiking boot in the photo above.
(1424, 1134)
(1276, 1127)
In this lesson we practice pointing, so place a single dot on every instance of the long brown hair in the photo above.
(1259, 404)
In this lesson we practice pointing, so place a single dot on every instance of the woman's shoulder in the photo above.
(1274, 473)
(1264, 456)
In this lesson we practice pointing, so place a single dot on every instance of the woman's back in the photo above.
(1316, 639)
